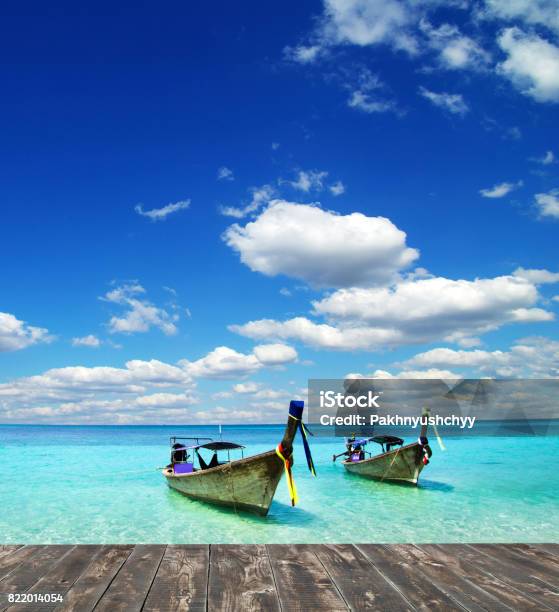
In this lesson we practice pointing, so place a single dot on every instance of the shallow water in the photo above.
(100, 484)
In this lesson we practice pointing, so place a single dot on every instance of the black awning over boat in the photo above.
(220, 445)
(214, 445)
(387, 440)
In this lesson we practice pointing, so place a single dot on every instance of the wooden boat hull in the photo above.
(400, 465)
(246, 484)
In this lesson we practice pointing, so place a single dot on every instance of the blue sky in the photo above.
(203, 207)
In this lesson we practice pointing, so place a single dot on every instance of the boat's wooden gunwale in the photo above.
(382, 455)
(168, 472)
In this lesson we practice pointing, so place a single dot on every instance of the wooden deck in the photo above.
(283, 577)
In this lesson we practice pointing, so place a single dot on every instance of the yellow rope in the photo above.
(289, 476)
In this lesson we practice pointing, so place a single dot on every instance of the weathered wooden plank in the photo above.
(8, 549)
(95, 579)
(507, 583)
(529, 563)
(130, 587)
(241, 578)
(546, 561)
(414, 585)
(10, 561)
(458, 586)
(360, 584)
(61, 576)
(28, 572)
(181, 582)
(302, 583)
(552, 549)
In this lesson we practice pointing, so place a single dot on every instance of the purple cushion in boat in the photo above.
(183, 468)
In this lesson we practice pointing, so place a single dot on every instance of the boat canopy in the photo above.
(392, 440)
(213, 445)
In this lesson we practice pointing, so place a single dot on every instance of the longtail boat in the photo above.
(246, 484)
(396, 462)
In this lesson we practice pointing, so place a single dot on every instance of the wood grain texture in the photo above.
(456, 585)
(333, 577)
(128, 591)
(408, 579)
(360, 584)
(28, 572)
(95, 579)
(181, 582)
(302, 581)
(509, 584)
(241, 578)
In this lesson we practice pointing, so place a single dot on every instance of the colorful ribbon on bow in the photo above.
(287, 462)
(288, 474)
(304, 431)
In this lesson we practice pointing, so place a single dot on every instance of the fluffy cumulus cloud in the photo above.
(537, 276)
(90, 341)
(531, 12)
(411, 311)
(500, 190)
(16, 334)
(532, 64)
(224, 362)
(160, 214)
(140, 314)
(456, 51)
(140, 392)
(321, 247)
(452, 103)
(530, 357)
(275, 354)
(369, 22)
(548, 203)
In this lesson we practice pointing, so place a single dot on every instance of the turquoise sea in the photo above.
(100, 484)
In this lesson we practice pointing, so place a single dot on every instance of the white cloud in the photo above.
(411, 311)
(245, 388)
(533, 357)
(222, 362)
(537, 276)
(275, 354)
(16, 334)
(303, 54)
(259, 197)
(365, 102)
(532, 12)
(309, 180)
(532, 64)
(548, 203)
(225, 174)
(545, 160)
(453, 103)
(141, 315)
(321, 247)
(430, 373)
(456, 51)
(500, 190)
(370, 22)
(90, 341)
(160, 214)
(337, 188)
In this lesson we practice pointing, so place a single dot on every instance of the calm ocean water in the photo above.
(100, 484)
